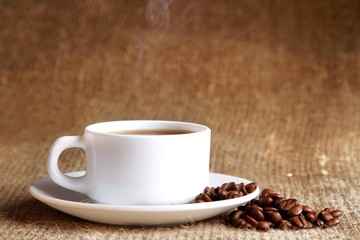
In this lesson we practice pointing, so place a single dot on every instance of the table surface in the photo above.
(277, 82)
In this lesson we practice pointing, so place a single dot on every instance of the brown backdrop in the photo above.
(278, 82)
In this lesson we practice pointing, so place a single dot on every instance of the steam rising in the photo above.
(161, 21)
(158, 14)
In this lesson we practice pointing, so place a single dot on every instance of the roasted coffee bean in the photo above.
(274, 210)
(299, 221)
(235, 219)
(210, 191)
(309, 225)
(307, 209)
(232, 186)
(266, 191)
(273, 217)
(225, 191)
(285, 224)
(242, 188)
(239, 222)
(278, 200)
(229, 190)
(262, 226)
(235, 215)
(310, 216)
(318, 223)
(325, 215)
(250, 187)
(249, 208)
(216, 196)
(233, 194)
(270, 209)
(204, 197)
(201, 198)
(336, 213)
(295, 210)
(250, 220)
(274, 195)
(266, 201)
(222, 194)
(287, 204)
(257, 215)
(332, 222)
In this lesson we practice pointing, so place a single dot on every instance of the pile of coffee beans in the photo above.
(272, 210)
(225, 191)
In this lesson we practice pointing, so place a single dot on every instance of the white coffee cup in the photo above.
(130, 168)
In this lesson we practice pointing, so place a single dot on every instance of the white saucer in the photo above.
(78, 205)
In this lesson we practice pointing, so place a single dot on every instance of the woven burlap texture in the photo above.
(277, 82)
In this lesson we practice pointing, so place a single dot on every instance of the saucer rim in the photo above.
(35, 193)
(195, 209)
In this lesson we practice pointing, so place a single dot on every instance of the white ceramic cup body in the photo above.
(130, 169)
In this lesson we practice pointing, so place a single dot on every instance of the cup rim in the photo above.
(106, 128)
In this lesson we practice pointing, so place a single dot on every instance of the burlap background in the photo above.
(277, 81)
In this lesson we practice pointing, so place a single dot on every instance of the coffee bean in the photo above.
(307, 209)
(266, 201)
(332, 222)
(299, 221)
(325, 215)
(270, 209)
(273, 217)
(257, 215)
(250, 187)
(216, 196)
(266, 191)
(262, 226)
(310, 216)
(210, 191)
(274, 210)
(250, 220)
(242, 188)
(204, 197)
(309, 225)
(254, 206)
(318, 223)
(287, 204)
(223, 192)
(278, 200)
(239, 222)
(336, 213)
(235, 215)
(232, 186)
(274, 195)
(285, 224)
(295, 210)
(233, 194)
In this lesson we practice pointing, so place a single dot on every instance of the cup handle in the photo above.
(77, 184)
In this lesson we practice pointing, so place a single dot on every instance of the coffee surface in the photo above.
(153, 131)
